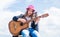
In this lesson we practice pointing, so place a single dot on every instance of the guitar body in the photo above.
(16, 27)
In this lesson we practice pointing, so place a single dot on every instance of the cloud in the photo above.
(50, 26)
(5, 3)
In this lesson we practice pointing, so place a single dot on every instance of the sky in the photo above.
(48, 27)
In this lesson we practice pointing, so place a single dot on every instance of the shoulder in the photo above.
(21, 15)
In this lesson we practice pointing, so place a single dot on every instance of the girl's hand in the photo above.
(22, 20)
(37, 20)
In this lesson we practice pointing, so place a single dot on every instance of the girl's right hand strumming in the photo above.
(22, 20)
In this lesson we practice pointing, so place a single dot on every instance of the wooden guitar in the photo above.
(16, 26)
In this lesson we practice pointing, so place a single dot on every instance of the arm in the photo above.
(19, 18)
(15, 18)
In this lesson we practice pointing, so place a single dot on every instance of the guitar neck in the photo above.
(42, 16)
(33, 19)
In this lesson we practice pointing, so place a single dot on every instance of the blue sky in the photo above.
(48, 27)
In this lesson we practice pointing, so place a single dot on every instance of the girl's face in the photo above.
(30, 12)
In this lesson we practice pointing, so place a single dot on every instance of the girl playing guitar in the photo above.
(31, 30)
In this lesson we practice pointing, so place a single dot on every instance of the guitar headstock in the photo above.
(44, 15)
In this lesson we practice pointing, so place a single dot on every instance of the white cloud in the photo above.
(5, 3)
(50, 26)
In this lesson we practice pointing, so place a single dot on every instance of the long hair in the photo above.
(30, 15)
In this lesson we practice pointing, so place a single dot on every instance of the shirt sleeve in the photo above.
(15, 18)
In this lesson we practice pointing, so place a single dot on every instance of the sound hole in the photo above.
(21, 24)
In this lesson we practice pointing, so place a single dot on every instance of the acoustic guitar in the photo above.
(16, 26)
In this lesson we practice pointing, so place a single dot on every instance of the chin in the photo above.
(29, 14)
